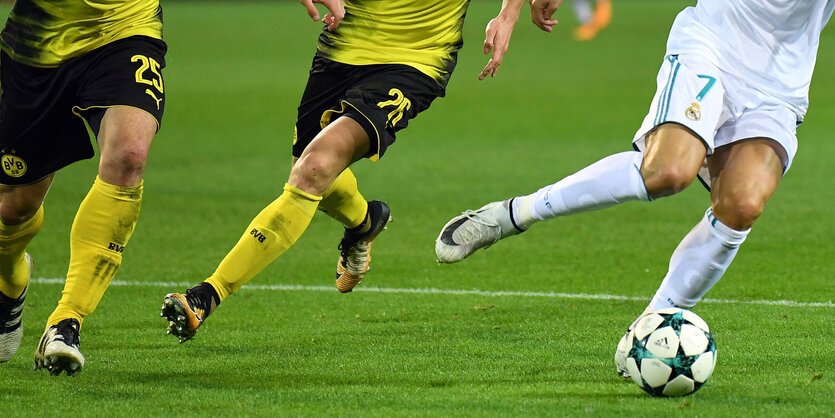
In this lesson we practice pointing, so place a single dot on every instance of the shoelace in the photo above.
(491, 230)
(196, 303)
(68, 334)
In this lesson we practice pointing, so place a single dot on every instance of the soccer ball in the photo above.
(669, 352)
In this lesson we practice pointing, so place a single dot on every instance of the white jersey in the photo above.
(770, 44)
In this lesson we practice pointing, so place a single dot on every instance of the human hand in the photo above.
(497, 40)
(542, 12)
(332, 19)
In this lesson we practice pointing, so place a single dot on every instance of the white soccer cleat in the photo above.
(11, 311)
(474, 229)
(58, 350)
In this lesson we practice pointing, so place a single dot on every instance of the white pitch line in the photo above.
(434, 291)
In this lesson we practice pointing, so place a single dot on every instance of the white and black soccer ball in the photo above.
(671, 352)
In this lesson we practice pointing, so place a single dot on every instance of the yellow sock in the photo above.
(14, 271)
(343, 201)
(272, 232)
(101, 230)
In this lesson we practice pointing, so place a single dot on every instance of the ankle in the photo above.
(521, 212)
(204, 297)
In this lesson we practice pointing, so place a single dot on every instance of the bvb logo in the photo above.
(401, 104)
(13, 165)
(693, 112)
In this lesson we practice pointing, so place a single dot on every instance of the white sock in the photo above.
(698, 263)
(612, 180)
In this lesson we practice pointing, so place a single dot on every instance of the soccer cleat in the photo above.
(11, 328)
(474, 229)
(602, 14)
(586, 32)
(185, 313)
(355, 255)
(58, 350)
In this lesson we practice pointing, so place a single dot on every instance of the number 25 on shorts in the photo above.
(149, 64)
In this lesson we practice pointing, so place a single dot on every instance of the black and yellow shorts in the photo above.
(42, 110)
(382, 98)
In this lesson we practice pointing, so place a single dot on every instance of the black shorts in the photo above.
(382, 98)
(41, 109)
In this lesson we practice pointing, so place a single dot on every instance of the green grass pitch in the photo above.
(290, 344)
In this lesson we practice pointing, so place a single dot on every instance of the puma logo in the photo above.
(400, 103)
(154, 96)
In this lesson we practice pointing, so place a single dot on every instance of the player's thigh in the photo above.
(123, 100)
(337, 146)
(344, 140)
(744, 176)
(672, 159)
(678, 130)
(124, 138)
(20, 203)
(126, 134)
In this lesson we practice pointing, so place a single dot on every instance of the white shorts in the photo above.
(719, 107)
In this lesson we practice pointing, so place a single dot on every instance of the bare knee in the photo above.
(738, 212)
(313, 173)
(333, 150)
(124, 162)
(134, 158)
(125, 140)
(666, 180)
(18, 204)
(16, 213)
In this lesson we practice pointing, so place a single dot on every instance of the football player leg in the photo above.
(21, 217)
(671, 161)
(343, 201)
(100, 232)
(363, 221)
(744, 176)
(275, 229)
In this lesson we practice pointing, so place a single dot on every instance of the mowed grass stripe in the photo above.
(454, 292)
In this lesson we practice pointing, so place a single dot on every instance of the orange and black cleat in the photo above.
(355, 255)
